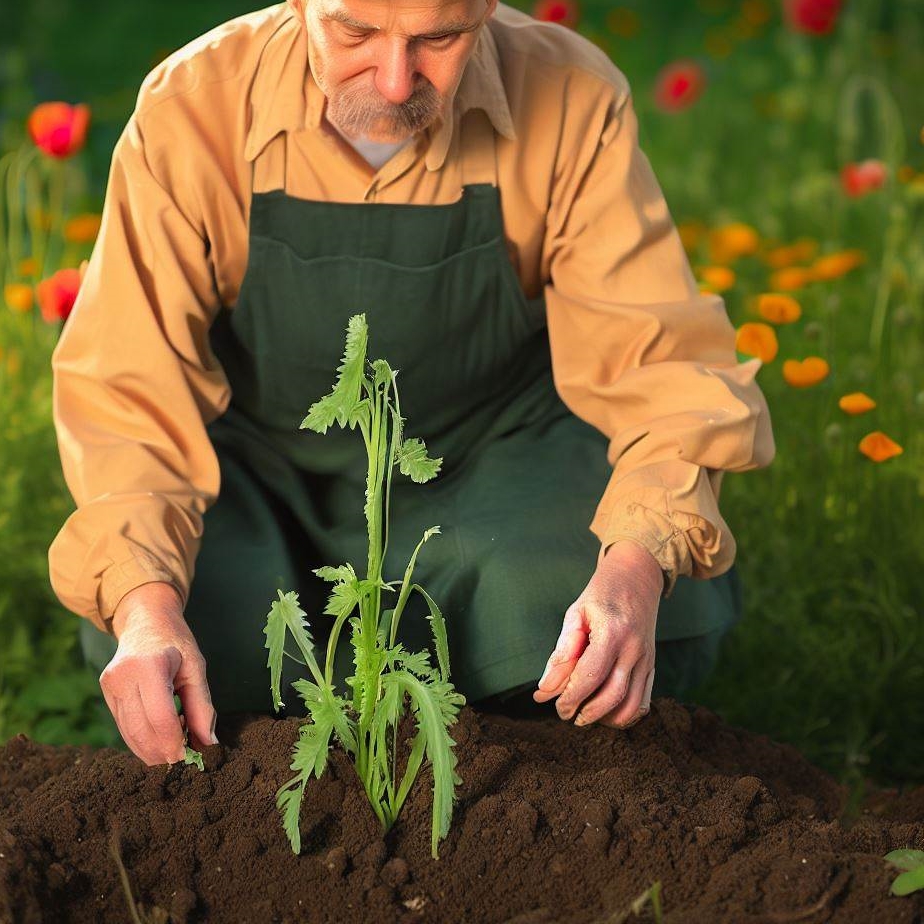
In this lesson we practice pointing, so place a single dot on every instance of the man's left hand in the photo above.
(603, 663)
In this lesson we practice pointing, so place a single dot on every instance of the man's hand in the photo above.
(157, 654)
(603, 663)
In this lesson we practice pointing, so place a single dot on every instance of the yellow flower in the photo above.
(729, 242)
(804, 374)
(878, 447)
(856, 403)
(800, 251)
(778, 309)
(28, 267)
(691, 233)
(790, 278)
(82, 229)
(717, 278)
(835, 265)
(18, 296)
(757, 339)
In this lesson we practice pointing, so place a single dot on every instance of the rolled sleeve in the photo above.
(135, 383)
(642, 355)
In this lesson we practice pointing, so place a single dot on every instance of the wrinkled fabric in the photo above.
(637, 351)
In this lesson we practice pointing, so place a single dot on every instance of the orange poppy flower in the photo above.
(18, 296)
(717, 278)
(679, 85)
(878, 447)
(862, 178)
(57, 294)
(729, 242)
(799, 251)
(778, 309)
(82, 229)
(835, 265)
(59, 129)
(757, 339)
(28, 267)
(564, 12)
(814, 17)
(856, 403)
(791, 278)
(808, 372)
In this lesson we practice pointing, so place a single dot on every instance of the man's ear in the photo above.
(492, 6)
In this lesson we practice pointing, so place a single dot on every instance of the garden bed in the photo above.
(554, 824)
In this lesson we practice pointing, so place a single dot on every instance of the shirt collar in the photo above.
(285, 97)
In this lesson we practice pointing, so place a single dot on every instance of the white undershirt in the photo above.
(375, 152)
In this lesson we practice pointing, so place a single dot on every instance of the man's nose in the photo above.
(394, 75)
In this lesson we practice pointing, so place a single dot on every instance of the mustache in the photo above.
(356, 110)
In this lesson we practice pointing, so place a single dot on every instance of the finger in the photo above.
(630, 711)
(572, 641)
(196, 698)
(646, 699)
(614, 689)
(136, 729)
(591, 670)
(156, 692)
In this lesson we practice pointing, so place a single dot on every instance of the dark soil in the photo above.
(554, 824)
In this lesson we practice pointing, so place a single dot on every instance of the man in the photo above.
(471, 180)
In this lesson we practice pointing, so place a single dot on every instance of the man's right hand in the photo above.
(157, 656)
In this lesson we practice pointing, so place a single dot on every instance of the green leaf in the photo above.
(310, 754)
(343, 404)
(193, 757)
(413, 461)
(438, 625)
(905, 858)
(275, 632)
(289, 803)
(436, 705)
(343, 599)
(336, 575)
(911, 881)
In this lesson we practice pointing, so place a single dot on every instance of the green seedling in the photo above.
(386, 676)
(193, 757)
(912, 862)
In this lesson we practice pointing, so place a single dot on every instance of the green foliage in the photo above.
(386, 677)
(194, 757)
(912, 862)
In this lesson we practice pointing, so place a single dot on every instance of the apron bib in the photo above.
(521, 474)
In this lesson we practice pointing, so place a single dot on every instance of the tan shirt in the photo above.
(637, 351)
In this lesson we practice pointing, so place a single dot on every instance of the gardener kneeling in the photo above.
(470, 179)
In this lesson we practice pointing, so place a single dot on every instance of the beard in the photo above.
(359, 111)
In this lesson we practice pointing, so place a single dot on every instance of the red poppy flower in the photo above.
(564, 12)
(59, 129)
(679, 85)
(57, 294)
(859, 179)
(816, 17)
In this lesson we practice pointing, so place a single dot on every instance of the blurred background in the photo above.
(787, 137)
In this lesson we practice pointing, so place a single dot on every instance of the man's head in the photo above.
(389, 68)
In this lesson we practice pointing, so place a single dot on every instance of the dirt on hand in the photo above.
(554, 824)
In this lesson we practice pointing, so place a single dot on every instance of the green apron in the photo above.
(521, 475)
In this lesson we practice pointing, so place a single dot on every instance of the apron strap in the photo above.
(477, 144)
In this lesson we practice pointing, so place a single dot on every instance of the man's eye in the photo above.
(442, 41)
(354, 34)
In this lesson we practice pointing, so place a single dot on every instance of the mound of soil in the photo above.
(554, 824)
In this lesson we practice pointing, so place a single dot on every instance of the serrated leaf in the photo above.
(435, 706)
(413, 461)
(289, 803)
(192, 756)
(911, 881)
(344, 573)
(343, 599)
(438, 625)
(905, 858)
(275, 632)
(341, 405)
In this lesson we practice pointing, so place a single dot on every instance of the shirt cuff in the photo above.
(121, 577)
(671, 509)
